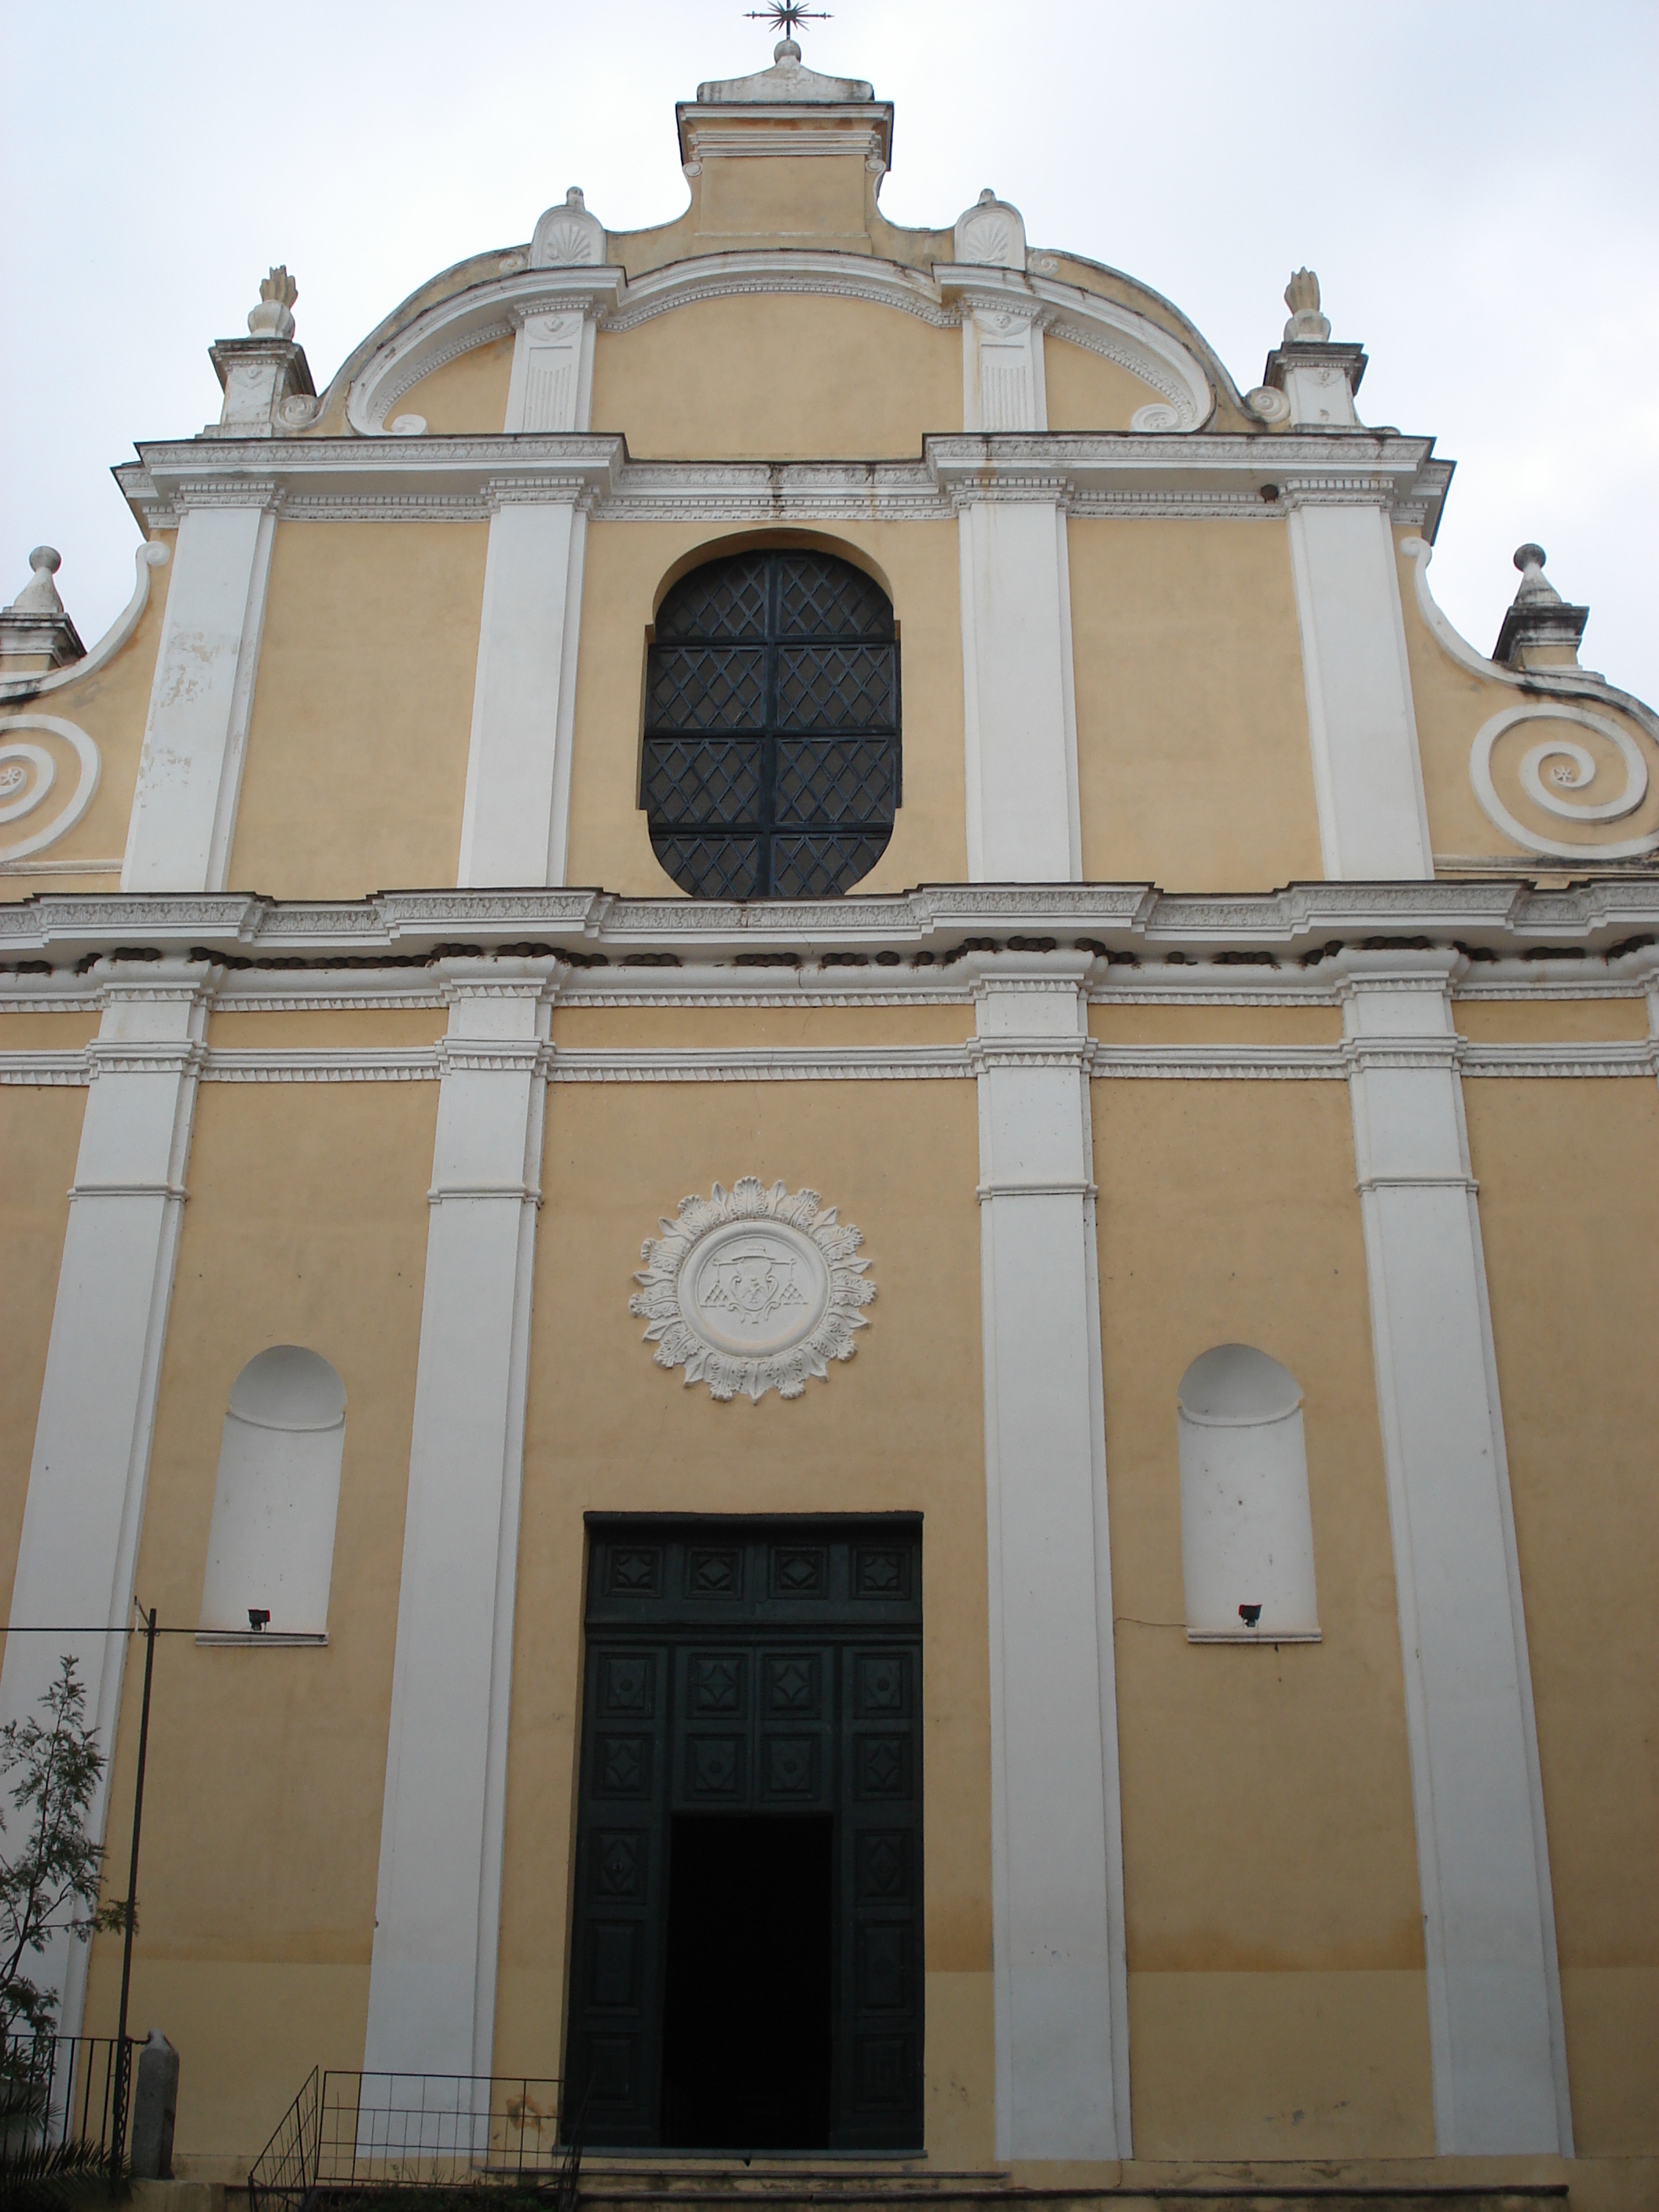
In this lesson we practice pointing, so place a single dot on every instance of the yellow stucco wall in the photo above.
(1086, 391)
(1292, 1024)
(39, 1137)
(628, 565)
(356, 757)
(1551, 1021)
(778, 376)
(110, 705)
(306, 1224)
(1276, 1993)
(666, 1028)
(1194, 769)
(1569, 1176)
(899, 1428)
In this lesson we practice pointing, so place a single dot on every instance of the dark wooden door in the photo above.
(752, 1668)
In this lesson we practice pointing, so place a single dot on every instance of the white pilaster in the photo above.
(92, 1442)
(1019, 709)
(551, 386)
(1061, 2002)
(432, 1984)
(1002, 378)
(1368, 778)
(515, 821)
(1495, 2032)
(190, 772)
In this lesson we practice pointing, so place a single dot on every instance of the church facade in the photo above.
(841, 1165)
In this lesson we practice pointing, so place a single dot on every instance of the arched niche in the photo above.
(272, 1546)
(1246, 1529)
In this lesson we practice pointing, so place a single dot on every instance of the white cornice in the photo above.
(932, 925)
(1089, 474)
(1574, 1060)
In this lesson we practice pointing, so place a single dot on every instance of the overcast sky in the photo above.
(1477, 184)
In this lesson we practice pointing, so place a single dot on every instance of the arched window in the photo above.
(272, 1547)
(1246, 1531)
(771, 766)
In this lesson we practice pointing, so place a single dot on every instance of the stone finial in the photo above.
(1539, 630)
(273, 316)
(36, 635)
(40, 595)
(1535, 587)
(1307, 326)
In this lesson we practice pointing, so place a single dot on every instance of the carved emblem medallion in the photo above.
(752, 1290)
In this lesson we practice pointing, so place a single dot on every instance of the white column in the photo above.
(1495, 2031)
(190, 772)
(1061, 2001)
(515, 821)
(1019, 709)
(1368, 778)
(432, 1983)
(92, 1440)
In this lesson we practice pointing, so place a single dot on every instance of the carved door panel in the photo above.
(750, 1668)
(622, 1879)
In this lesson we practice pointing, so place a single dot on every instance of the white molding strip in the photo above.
(1497, 2044)
(437, 1924)
(90, 1465)
(1060, 1984)
(662, 936)
(468, 479)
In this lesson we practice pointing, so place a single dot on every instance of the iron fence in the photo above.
(60, 2089)
(361, 2132)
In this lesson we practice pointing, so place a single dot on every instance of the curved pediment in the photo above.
(1178, 395)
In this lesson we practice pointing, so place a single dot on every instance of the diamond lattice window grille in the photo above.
(750, 654)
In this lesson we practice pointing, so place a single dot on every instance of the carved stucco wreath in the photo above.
(752, 1290)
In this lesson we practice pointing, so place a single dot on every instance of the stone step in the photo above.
(812, 2190)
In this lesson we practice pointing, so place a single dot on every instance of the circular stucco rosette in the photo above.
(752, 1290)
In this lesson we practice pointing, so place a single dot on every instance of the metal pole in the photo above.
(122, 2072)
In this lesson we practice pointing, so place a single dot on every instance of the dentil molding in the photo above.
(752, 1290)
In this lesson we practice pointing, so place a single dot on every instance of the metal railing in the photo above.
(60, 2089)
(360, 2132)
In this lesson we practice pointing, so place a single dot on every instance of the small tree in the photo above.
(47, 1889)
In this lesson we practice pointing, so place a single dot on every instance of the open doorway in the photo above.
(749, 2002)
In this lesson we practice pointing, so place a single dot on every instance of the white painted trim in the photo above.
(90, 1465)
(1361, 726)
(1023, 821)
(1494, 2014)
(1058, 1949)
(1206, 930)
(91, 768)
(515, 817)
(432, 1978)
(190, 772)
(1627, 802)
(1095, 474)
(146, 560)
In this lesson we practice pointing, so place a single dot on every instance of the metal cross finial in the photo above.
(787, 15)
